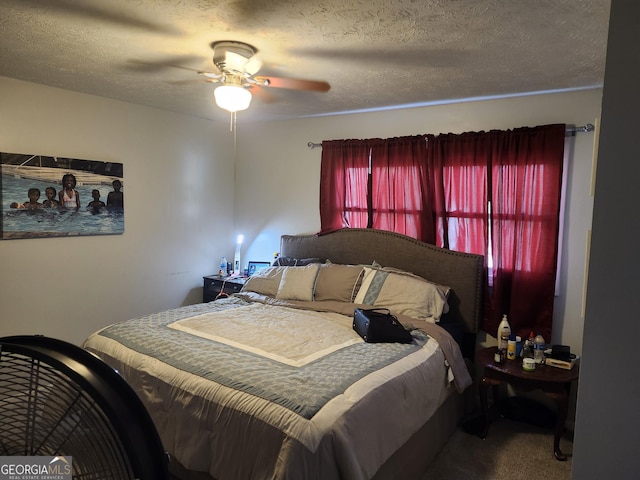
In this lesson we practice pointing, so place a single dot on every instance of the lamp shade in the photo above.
(232, 97)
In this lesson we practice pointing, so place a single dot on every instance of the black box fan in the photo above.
(59, 400)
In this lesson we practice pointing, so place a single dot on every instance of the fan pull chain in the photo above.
(234, 129)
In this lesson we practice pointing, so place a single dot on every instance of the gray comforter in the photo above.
(253, 387)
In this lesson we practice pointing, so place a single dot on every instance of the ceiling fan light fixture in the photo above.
(232, 97)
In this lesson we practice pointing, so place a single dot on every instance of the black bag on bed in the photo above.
(377, 325)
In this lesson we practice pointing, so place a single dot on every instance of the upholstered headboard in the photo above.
(460, 271)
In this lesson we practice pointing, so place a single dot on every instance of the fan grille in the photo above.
(45, 412)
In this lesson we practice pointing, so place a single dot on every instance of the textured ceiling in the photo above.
(374, 53)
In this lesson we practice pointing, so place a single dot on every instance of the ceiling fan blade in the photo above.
(158, 65)
(293, 83)
(102, 12)
(391, 56)
(262, 94)
(190, 81)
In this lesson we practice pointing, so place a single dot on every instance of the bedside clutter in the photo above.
(560, 356)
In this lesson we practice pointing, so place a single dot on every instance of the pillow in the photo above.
(265, 281)
(405, 294)
(296, 262)
(445, 289)
(297, 283)
(337, 282)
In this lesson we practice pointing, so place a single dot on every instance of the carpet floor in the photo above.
(512, 450)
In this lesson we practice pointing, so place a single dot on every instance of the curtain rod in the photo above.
(571, 131)
(583, 129)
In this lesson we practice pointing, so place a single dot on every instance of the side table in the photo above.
(214, 285)
(554, 382)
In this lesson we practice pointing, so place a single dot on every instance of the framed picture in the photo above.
(59, 197)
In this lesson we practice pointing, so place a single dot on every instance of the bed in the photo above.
(273, 382)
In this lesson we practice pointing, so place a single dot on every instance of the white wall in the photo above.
(608, 419)
(278, 174)
(178, 174)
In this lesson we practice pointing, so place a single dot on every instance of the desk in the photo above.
(554, 382)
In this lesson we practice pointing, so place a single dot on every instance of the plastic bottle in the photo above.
(497, 357)
(223, 267)
(511, 348)
(504, 330)
(527, 348)
(539, 346)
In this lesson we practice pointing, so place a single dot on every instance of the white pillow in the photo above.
(402, 294)
(297, 283)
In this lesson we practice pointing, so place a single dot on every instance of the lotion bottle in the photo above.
(504, 330)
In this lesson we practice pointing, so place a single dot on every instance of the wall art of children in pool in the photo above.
(57, 197)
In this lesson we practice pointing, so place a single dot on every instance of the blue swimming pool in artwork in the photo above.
(22, 223)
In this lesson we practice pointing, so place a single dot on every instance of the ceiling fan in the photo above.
(236, 65)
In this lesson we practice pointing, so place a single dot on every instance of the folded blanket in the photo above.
(453, 355)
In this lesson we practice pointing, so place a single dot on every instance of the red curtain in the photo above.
(376, 183)
(520, 172)
(526, 176)
(344, 174)
(458, 166)
(400, 188)
(493, 193)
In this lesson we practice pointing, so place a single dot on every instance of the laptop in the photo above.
(254, 267)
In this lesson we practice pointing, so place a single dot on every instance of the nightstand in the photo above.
(215, 284)
(554, 382)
